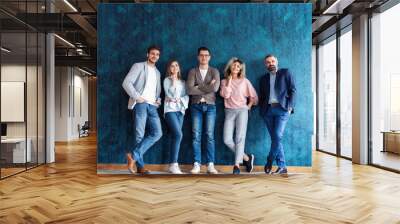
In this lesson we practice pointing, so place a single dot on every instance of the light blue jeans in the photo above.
(174, 121)
(145, 115)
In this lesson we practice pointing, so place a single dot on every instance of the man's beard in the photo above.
(272, 68)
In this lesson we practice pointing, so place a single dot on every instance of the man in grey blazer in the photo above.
(143, 85)
(202, 84)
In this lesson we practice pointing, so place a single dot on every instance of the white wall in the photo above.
(80, 112)
(61, 103)
(14, 73)
(71, 94)
(17, 73)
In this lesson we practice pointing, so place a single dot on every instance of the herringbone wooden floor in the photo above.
(69, 191)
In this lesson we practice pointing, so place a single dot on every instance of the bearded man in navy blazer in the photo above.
(277, 93)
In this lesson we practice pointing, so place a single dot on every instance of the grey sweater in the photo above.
(199, 88)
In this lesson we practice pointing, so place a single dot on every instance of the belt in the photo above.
(274, 105)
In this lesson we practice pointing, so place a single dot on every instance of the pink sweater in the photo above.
(235, 95)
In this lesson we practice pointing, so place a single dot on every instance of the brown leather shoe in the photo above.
(131, 163)
(143, 171)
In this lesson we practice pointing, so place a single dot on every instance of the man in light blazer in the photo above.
(202, 84)
(143, 85)
(277, 93)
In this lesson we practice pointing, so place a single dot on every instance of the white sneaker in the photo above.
(196, 168)
(211, 169)
(174, 168)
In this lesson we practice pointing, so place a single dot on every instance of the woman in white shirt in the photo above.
(175, 104)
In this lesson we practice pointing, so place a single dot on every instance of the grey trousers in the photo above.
(236, 121)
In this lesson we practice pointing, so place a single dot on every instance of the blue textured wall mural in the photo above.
(247, 31)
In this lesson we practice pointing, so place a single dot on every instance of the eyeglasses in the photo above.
(204, 55)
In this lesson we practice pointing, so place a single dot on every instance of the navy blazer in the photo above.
(284, 87)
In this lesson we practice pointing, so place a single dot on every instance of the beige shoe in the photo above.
(174, 169)
(196, 168)
(211, 169)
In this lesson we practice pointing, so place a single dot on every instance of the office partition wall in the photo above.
(22, 79)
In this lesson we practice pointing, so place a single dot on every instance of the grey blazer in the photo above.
(135, 82)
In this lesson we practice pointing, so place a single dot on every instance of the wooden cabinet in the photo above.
(391, 142)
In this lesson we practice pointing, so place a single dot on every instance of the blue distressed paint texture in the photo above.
(247, 31)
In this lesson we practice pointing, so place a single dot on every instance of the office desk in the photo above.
(391, 141)
(15, 148)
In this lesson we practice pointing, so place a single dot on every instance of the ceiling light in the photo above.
(84, 71)
(5, 50)
(65, 41)
(326, 11)
(337, 7)
(70, 5)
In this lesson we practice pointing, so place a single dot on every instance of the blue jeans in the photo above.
(206, 112)
(175, 121)
(276, 119)
(145, 114)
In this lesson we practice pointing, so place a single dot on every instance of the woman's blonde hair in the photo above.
(169, 69)
(227, 70)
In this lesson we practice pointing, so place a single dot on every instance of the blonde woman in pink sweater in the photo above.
(239, 96)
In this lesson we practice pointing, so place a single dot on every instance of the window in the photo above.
(346, 93)
(385, 88)
(327, 96)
